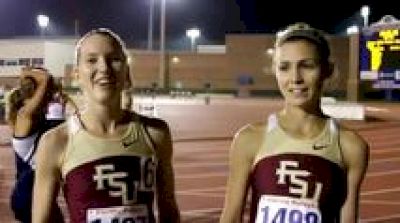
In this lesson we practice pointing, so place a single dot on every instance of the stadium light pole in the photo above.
(162, 45)
(193, 34)
(365, 10)
(150, 26)
(43, 22)
(163, 81)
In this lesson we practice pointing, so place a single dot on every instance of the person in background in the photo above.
(301, 165)
(107, 159)
(2, 107)
(56, 108)
(26, 117)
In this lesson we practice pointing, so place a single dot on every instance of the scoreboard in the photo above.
(380, 58)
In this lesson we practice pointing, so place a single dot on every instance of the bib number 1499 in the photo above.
(285, 215)
(279, 209)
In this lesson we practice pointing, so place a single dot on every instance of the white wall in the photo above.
(14, 49)
(56, 53)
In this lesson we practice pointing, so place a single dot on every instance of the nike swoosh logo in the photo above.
(128, 143)
(319, 147)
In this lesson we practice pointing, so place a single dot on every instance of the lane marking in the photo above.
(385, 160)
(198, 164)
(385, 150)
(382, 173)
(200, 194)
(387, 217)
(381, 202)
(221, 188)
(202, 212)
(380, 191)
(200, 175)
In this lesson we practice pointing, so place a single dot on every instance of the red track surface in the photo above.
(202, 136)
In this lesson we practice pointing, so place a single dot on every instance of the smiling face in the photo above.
(299, 72)
(101, 68)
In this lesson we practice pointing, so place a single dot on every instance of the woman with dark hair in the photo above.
(56, 111)
(25, 116)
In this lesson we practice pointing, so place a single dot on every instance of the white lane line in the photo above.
(199, 164)
(385, 150)
(200, 194)
(385, 160)
(200, 175)
(382, 173)
(202, 156)
(186, 150)
(386, 217)
(380, 191)
(204, 192)
(381, 202)
(201, 212)
(211, 189)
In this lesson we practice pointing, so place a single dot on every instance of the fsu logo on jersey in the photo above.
(120, 184)
(290, 174)
(304, 208)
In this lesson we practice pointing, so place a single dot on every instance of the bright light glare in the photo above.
(193, 33)
(43, 21)
(365, 11)
(352, 29)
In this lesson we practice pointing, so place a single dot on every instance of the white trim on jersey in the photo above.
(24, 147)
(272, 122)
(74, 124)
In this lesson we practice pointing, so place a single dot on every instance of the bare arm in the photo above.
(48, 175)
(41, 77)
(241, 158)
(167, 206)
(24, 118)
(12, 99)
(355, 154)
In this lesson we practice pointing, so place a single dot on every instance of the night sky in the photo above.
(215, 18)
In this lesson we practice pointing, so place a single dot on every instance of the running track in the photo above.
(202, 136)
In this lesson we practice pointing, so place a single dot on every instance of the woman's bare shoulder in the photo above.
(248, 140)
(251, 130)
(55, 139)
(355, 148)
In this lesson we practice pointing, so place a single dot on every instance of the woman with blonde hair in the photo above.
(114, 165)
(301, 165)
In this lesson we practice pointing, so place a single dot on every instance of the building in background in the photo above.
(242, 65)
(54, 54)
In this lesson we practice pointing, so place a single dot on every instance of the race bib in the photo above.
(122, 214)
(277, 209)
